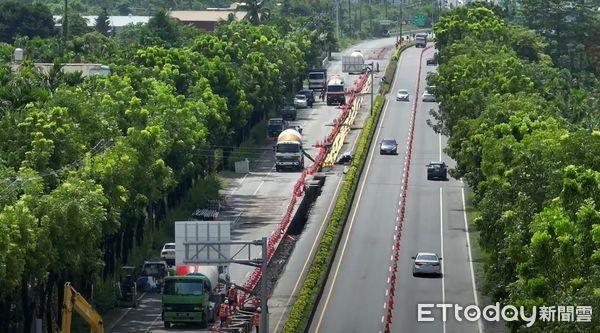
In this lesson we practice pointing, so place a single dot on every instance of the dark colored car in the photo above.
(437, 170)
(276, 126)
(310, 96)
(432, 61)
(388, 146)
(288, 112)
(345, 158)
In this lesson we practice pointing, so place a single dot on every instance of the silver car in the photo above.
(402, 95)
(300, 101)
(388, 147)
(427, 263)
(428, 97)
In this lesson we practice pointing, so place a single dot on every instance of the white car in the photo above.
(300, 101)
(427, 263)
(402, 95)
(168, 253)
(428, 97)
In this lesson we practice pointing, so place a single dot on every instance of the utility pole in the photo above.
(349, 18)
(371, 68)
(264, 314)
(65, 27)
(337, 19)
(386, 3)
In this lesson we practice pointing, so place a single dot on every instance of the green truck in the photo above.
(191, 295)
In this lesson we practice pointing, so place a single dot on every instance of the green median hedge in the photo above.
(306, 302)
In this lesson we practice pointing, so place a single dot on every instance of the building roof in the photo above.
(114, 21)
(204, 15)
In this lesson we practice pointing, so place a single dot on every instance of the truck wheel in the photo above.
(277, 168)
(167, 324)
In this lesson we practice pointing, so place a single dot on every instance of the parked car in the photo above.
(432, 61)
(437, 170)
(310, 96)
(345, 158)
(427, 263)
(300, 101)
(428, 97)
(402, 95)
(168, 253)
(388, 147)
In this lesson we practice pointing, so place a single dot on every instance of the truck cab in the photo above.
(336, 91)
(191, 295)
(317, 79)
(421, 40)
(288, 151)
(275, 127)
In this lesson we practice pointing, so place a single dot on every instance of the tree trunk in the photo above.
(48, 295)
(27, 309)
(5, 304)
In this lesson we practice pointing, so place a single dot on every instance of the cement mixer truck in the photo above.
(353, 64)
(191, 295)
(288, 151)
(336, 90)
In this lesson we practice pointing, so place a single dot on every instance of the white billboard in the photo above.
(189, 233)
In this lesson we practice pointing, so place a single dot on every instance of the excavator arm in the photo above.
(74, 301)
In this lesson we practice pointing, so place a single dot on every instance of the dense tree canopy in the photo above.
(92, 163)
(524, 136)
(20, 19)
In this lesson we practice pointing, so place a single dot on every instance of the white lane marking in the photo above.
(153, 322)
(475, 297)
(262, 182)
(258, 188)
(118, 321)
(442, 255)
(352, 219)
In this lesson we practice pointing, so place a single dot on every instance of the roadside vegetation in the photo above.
(521, 113)
(93, 168)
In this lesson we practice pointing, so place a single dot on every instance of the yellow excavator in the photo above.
(74, 300)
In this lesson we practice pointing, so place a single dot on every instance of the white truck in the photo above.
(288, 151)
(353, 64)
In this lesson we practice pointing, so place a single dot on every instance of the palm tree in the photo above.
(256, 13)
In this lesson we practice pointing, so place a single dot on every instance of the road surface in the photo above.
(355, 296)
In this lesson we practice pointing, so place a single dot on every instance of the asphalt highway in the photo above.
(355, 297)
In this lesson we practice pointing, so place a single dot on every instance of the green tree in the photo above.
(103, 23)
(163, 28)
(19, 19)
(256, 11)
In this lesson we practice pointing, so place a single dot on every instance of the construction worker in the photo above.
(224, 312)
(256, 319)
(232, 295)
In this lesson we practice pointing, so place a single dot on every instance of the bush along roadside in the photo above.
(313, 285)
